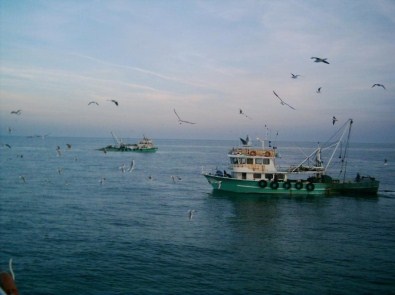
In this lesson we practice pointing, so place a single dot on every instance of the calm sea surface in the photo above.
(74, 223)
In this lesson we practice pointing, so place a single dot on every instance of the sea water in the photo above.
(76, 221)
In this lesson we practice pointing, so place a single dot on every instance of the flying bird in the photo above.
(319, 90)
(180, 120)
(114, 101)
(18, 112)
(122, 168)
(246, 141)
(93, 102)
(174, 178)
(244, 114)
(68, 146)
(281, 101)
(334, 119)
(190, 214)
(22, 178)
(7, 145)
(293, 76)
(318, 59)
(131, 168)
(379, 85)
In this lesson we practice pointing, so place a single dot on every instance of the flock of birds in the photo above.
(241, 112)
(295, 76)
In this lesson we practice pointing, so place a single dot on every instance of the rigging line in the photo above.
(344, 162)
(338, 142)
(337, 132)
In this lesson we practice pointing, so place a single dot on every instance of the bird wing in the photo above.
(177, 115)
(283, 102)
(290, 106)
(187, 122)
(131, 166)
(277, 95)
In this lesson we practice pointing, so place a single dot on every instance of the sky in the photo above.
(205, 59)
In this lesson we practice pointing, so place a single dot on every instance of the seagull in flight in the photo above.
(318, 59)
(244, 114)
(379, 85)
(190, 213)
(319, 90)
(131, 168)
(281, 101)
(334, 119)
(114, 101)
(180, 120)
(293, 76)
(18, 112)
(93, 102)
(174, 178)
(246, 141)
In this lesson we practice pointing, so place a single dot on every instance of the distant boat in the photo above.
(145, 145)
(254, 170)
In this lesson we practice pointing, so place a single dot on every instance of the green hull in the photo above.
(137, 150)
(253, 186)
(367, 187)
(219, 183)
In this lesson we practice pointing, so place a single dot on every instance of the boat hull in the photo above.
(135, 150)
(255, 187)
(219, 183)
(367, 187)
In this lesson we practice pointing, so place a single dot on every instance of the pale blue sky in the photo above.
(206, 59)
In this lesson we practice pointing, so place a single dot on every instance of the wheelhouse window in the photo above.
(234, 161)
(261, 161)
(250, 161)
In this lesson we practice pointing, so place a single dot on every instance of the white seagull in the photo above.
(319, 90)
(93, 102)
(18, 112)
(293, 76)
(334, 119)
(114, 101)
(318, 59)
(131, 168)
(379, 85)
(190, 214)
(244, 114)
(180, 120)
(281, 101)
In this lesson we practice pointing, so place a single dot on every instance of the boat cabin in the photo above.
(254, 164)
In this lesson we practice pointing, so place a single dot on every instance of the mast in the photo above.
(339, 141)
(116, 139)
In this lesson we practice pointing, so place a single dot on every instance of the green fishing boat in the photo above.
(254, 170)
(145, 145)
